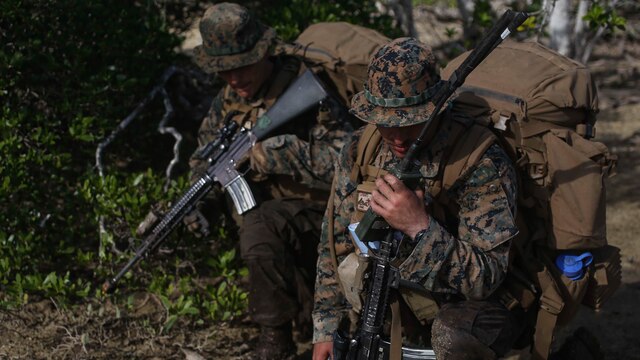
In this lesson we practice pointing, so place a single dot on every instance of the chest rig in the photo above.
(453, 146)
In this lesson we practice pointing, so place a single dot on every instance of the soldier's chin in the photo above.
(399, 152)
(245, 92)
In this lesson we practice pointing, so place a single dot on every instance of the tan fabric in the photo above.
(543, 107)
(340, 48)
(577, 203)
(351, 273)
(555, 90)
(606, 277)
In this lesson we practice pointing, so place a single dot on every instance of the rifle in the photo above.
(368, 342)
(223, 154)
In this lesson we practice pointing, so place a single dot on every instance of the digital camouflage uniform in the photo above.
(462, 258)
(290, 173)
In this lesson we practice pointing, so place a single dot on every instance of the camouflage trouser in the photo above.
(278, 242)
(475, 330)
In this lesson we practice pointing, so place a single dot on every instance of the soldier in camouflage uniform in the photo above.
(290, 174)
(458, 251)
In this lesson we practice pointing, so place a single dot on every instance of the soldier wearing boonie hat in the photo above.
(278, 238)
(457, 236)
(231, 38)
(401, 82)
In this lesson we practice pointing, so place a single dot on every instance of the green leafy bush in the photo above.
(290, 17)
(70, 71)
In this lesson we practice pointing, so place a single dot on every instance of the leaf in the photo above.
(50, 279)
(138, 180)
(171, 320)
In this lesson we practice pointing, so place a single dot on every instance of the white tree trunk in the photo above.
(560, 27)
(547, 7)
(580, 29)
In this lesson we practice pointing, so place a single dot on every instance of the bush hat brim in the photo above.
(383, 116)
(216, 63)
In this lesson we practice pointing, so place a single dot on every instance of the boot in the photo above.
(275, 343)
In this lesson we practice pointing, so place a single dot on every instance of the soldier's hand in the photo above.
(402, 208)
(323, 350)
(196, 223)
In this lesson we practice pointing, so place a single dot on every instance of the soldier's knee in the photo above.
(260, 236)
(453, 342)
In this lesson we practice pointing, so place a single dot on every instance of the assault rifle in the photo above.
(223, 154)
(368, 342)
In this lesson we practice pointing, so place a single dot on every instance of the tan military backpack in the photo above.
(341, 49)
(542, 106)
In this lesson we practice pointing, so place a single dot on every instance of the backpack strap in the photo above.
(367, 146)
(290, 69)
(395, 350)
(465, 144)
(551, 304)
(468, 150)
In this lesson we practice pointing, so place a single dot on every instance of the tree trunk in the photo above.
(560, 27)
(467, 7)
(580, 29)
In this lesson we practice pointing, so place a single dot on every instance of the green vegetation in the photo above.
(70, 71)
(290, 17)
(599, 16)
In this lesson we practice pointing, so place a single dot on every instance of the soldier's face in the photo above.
(247, 80)
(400, 139)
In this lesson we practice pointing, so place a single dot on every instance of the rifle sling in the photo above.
(395, 351)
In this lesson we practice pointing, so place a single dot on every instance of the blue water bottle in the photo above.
(572, 266)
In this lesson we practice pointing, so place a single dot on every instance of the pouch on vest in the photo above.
(351, 274)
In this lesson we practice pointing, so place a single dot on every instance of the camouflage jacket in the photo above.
(469, 259)
(303, 153)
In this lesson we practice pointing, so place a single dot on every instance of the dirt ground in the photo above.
(95, 330)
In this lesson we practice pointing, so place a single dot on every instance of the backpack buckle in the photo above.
(501, 124)
(537, 171)
(551, 305)
(587, 131)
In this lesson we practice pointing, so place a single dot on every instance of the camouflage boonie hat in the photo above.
(402, 79)
(231, 38)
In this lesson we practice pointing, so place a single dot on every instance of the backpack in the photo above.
(540, 106)
(339, 49)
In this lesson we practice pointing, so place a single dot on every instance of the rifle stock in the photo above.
(368, 342)
(223, 154)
